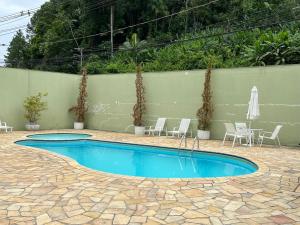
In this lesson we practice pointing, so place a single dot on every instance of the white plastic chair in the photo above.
(159, 127)
(182, 130)
(270, 135)
(243, 130)
(232, 132)
(3, 126)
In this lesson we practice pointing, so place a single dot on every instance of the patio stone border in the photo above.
(40, 187)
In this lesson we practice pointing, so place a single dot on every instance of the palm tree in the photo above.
(136, 47)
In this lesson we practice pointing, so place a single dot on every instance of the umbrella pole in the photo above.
(250, 134)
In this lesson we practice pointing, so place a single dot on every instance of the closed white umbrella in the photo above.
(253, 108)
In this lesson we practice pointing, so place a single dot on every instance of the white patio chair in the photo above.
(243, 130)
(182, 130)
(3, 126)
(232, 132)
(159, 127)
(270, 135)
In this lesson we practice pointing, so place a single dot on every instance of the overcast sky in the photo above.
(13, 6)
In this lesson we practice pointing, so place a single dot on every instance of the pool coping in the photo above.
(87, 138)
(261, 167)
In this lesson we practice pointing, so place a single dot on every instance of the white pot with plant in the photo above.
(135, 47)
(33, 107)
(139, 108)
(204, 114)
(81, 108)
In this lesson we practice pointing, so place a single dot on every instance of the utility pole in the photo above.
(78, 48)
(81, 55)
(187, 16)
(112, 9)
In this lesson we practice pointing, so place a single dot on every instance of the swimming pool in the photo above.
(146, 161)
(59, 136)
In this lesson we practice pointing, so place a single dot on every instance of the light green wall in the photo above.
(174, 95)
(177, 95)
(16, 85)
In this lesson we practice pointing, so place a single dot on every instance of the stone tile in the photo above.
(37, 187)
(121, 219)
(79, 219)
(282, 219)
(43, 219)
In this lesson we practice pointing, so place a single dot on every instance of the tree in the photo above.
(139, 108)
(136, 47)
(51, 45)
(204, 114)
(17, 52)
(81, 108)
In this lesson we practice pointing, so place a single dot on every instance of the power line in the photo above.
(14, 20)
(12, 32)
(161, 45)
(29, 12)
(222, 33)
(247, 22)
(13, 28)
(132, 26)
(103, 4)
(20, 14)
(106, 3)
(218, 34)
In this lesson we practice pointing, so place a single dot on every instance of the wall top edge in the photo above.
(186, 72)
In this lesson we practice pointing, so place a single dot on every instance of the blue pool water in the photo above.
(59, 136)
(146, 161)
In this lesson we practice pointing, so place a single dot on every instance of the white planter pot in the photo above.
(32, 126)
(78, 125)
(203, 134)
(139, 131)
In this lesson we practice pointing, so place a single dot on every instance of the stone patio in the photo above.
(38, 187)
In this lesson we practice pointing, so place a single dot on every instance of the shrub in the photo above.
(81, 108)
(139, 108)
(34, 106)
(204, 114)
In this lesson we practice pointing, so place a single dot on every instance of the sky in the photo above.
(8, 7)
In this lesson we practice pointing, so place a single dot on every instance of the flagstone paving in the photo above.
(38, 187)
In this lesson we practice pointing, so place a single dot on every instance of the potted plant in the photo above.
(33, 107)
(137, 50)
(204, 114)
(139, 107)
(81, 108)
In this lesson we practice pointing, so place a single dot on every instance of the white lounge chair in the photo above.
(159, 127)
(270, 135)
(182, 130)
(232, 132)
(3, 126)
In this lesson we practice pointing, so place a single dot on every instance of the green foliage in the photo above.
(136, 48)
(94, 65)
(275, 48)
(246, 48)
(44, 49)
(34, 106)
(17, 52)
